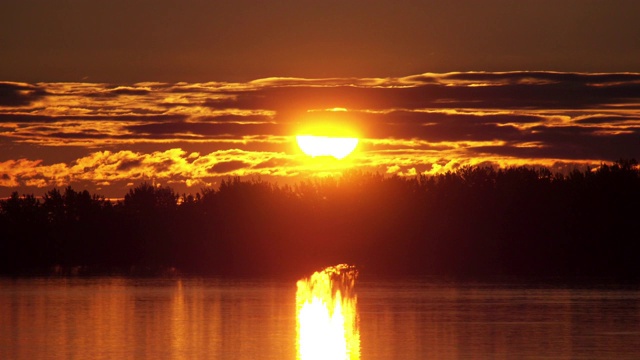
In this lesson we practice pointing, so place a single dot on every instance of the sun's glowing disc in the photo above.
(338, 147)
(327, 315)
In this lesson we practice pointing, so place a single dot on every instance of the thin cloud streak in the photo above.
(194, 134)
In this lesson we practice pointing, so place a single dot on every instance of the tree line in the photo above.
(475, 221)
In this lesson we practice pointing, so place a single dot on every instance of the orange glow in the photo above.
(338, 147)
(327, 319)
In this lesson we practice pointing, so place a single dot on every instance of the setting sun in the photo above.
(338, 147)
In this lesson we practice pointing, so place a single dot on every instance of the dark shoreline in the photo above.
(475, 223)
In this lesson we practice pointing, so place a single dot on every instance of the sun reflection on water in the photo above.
(327, 318)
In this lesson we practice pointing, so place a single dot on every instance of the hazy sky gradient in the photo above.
(103, 95)
(124, 41)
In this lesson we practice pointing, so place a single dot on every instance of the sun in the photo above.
(316, 145)
(331, 133)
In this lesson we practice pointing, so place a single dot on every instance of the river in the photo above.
(204, 318)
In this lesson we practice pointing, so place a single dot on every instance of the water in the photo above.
(120, 318)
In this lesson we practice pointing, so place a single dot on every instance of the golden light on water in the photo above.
(338, 147)
(327, 317)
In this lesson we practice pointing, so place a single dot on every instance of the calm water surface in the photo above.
(121, 318)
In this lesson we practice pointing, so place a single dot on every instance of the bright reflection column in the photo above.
(327, 317)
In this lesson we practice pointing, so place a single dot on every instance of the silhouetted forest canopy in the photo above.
(476, 221)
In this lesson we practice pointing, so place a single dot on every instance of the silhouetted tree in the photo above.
(23, 226)
(475, 221)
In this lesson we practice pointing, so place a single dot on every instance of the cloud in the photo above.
(128, 164)
(453, 90)
(208, 129)
(225, 167)
(274, 163)
(14, 94)
(127, 90)
(175, 165)
(633, 119)
(190, 133)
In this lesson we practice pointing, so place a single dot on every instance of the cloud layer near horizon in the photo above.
(107, 137)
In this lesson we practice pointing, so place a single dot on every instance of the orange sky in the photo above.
(124, 41)
(190, 135)
(105, 95)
